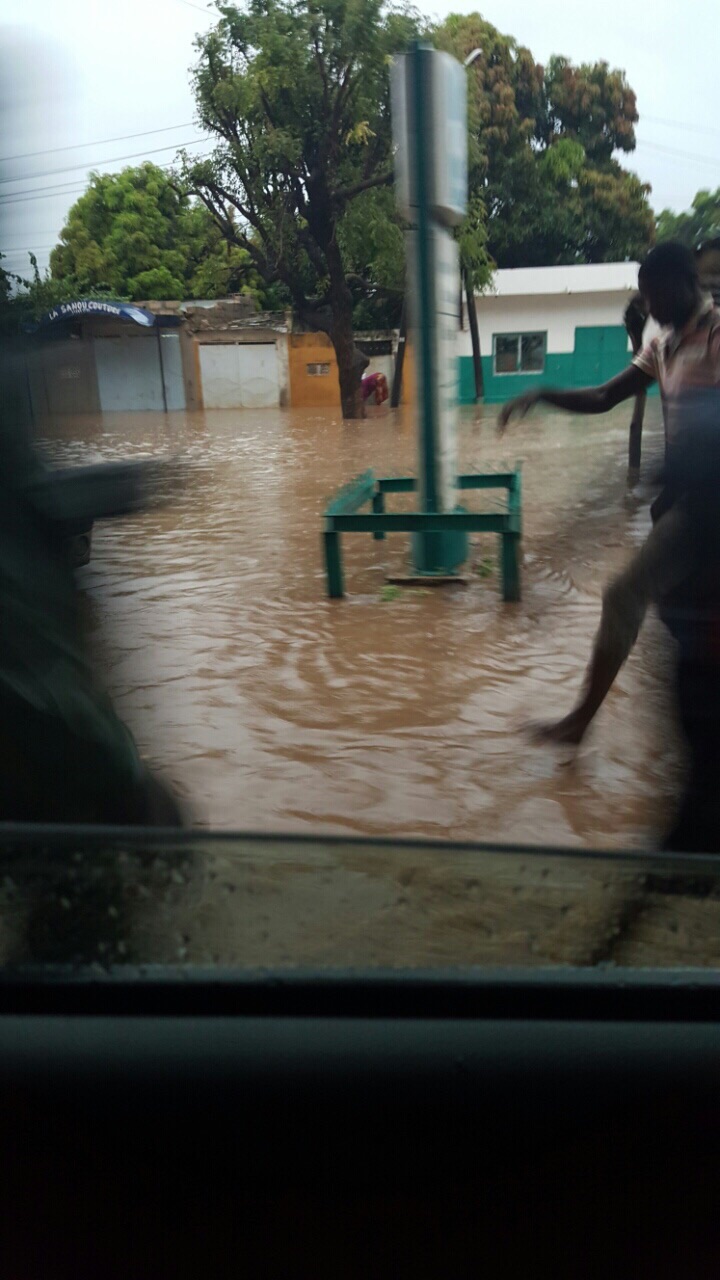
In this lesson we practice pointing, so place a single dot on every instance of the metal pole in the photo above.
(160, 362)
(474, 337)
(635, 319)
(333, 564)
(396, 392)
(378, 506)
(426, 299)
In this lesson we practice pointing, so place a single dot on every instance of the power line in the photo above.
(51, 192)
(54, 188)
(680, 155)
(99, 142)
(680, 124)
(87, 164)
(190, 5)
(8, 197)
(46, 232)
(186, 124)
(51, 195)
(65, 189)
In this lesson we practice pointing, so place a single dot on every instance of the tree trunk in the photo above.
(351, 361)
(351, 364)
(475, 339)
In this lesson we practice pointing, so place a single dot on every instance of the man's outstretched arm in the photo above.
(600, 399)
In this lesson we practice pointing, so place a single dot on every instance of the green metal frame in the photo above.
(343, 515)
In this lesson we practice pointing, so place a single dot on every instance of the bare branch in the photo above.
(312, 250)
(367, 286)
(346, 84)
(237, 237)
(380, 180)
(267, 108)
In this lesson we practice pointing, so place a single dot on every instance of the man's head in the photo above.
(668, 282)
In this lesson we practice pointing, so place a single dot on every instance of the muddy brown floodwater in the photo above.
(272, 708)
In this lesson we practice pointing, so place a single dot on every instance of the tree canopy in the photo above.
(542, 144)
(296, 92)
(135, 235)
(695, 227)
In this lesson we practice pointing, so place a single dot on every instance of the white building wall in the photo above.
(596, 277)
(557, 315)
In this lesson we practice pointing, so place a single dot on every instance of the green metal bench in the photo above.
(343, 515)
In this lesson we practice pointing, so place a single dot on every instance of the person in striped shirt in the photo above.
(678, 567)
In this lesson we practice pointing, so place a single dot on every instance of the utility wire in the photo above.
(99, 142)
(65, 189)
(680, 124)
(50, 195)
(87, 164)
(680, 155)
(188, 4)
(12, 197)
(186, 124)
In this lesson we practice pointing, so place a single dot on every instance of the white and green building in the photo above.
(558, 325)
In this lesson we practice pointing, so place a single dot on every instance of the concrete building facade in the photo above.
(560, 325)
(196, 355)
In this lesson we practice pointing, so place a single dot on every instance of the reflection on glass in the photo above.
(255, 902)
(506, 353)
(519, 352)
(532, 349)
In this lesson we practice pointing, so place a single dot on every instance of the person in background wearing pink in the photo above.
(374, 390)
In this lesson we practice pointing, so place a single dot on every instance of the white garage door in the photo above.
(128, 373)
(240, 376)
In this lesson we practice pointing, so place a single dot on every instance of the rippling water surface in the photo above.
(273, 708)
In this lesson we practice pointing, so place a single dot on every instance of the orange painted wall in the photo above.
(309, 391)
(306, 390)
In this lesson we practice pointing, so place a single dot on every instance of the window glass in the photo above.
(506, 353)
(519, 353)
(332, 903)
(532, 352)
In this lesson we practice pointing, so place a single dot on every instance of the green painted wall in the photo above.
(600, 353)
(558, 372)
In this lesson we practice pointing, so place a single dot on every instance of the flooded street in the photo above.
(272, 708)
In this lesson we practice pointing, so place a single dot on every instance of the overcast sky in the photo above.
(83, 71)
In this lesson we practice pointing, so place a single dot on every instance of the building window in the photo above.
(518, 352)
(318, 370)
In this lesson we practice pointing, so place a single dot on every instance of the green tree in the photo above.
(590, 104)
(24, 299)
(542, 144)
(697, 226)
(10, 318)
(297, 94)
(135, 235)
(372, 242)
